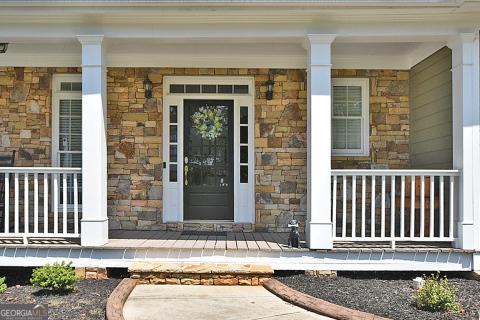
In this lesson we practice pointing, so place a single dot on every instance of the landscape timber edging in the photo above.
(316, 305)
(116, 300)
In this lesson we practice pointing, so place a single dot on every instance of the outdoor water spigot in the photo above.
(293, 237)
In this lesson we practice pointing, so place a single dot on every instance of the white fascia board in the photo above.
(329, 3)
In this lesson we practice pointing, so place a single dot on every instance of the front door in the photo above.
(208, 159)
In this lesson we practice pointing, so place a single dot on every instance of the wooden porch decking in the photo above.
(230, 241)
(251, 241)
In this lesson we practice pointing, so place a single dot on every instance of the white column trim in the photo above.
(319, 221)
(90, 39)
(466, 136)
(94, 222)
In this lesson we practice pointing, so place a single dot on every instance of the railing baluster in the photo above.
(413, 196)
(25, 203)
(55, 203)
(422, 206)
(392, 208)
(75, 203)
(382, 223)
(364, 187)
(344, 215)
(412, 207)
(402, 207)
(450, 214)
(372, 214)
(35, 203)
(7, 202)
(442, 205)
(45, 203)
(354, 207)
(432, 207)
(334, 206)
(65, 202)
(22, 216)
(16, 216)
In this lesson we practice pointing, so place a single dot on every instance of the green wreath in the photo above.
(209, 122)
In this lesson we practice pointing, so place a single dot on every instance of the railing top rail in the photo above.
(394, 172)
(39, 170)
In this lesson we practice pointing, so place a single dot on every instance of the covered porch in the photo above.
(374, 197)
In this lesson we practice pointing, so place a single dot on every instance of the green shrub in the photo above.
(3, 285)
(437, 294)
(58, 277)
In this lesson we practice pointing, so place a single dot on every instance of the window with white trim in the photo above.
(350, 117)
(67, 128)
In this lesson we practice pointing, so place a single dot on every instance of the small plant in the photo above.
(58, 277)
(3, 285)
(437, 294)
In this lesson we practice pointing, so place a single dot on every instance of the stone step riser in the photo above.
(201, 279)
(200, 274)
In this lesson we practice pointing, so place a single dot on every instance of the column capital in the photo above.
(321, 38)
(90, 39)
(461, 38)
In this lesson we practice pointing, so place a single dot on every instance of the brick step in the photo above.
(201, 273)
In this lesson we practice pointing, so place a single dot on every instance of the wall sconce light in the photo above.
(3, 47)
(147, 85)
(270, 84)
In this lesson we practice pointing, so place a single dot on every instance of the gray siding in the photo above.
(431, 112)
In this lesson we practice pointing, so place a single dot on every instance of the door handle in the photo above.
(185, 174)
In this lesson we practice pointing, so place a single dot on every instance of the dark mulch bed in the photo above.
(86, 303)
(384, 294)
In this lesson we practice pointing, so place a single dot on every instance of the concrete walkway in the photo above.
(182, 302)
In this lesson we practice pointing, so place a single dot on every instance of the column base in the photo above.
(476, 263)
(319, 235)
(467, 237)
(94, 232)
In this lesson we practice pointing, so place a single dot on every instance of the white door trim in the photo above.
(244, 193)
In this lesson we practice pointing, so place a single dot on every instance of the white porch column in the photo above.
(466, 136)
(94, 223)
(319, 221)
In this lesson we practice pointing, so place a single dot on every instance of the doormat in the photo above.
(204, 233)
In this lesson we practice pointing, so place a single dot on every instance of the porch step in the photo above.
(200, 274)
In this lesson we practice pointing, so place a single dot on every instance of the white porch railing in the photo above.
(32, 197)
(393, 205)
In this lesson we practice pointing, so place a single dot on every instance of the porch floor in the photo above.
(230, 241)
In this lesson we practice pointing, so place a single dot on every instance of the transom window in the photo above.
(209, 88)
(350, 117)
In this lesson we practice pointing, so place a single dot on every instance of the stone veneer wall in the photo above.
(135, 137)
(26, 113)
(389, 122)
(135, 148)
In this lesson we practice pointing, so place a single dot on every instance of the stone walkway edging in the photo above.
(117, 299)
(316, 305)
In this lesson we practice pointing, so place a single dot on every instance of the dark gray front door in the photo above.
(208, 163)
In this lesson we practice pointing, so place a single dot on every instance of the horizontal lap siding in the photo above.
(431, 112)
